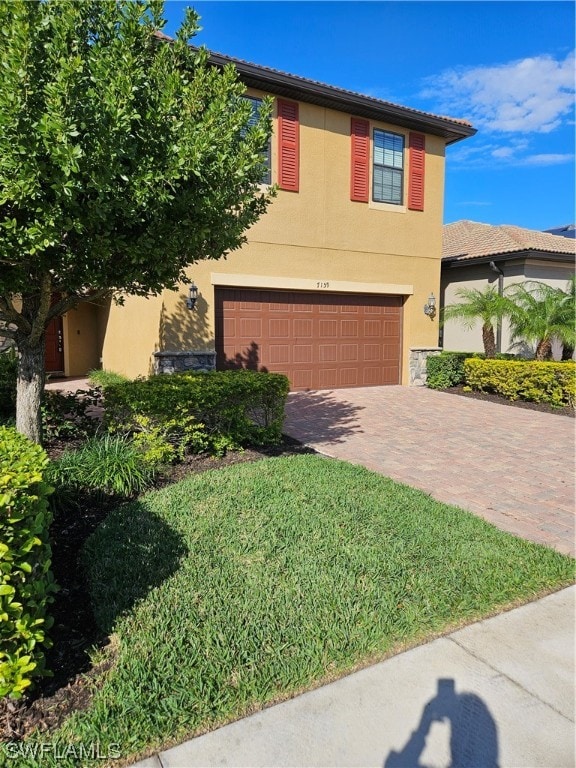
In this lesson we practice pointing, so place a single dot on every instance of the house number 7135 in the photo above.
(322, 285)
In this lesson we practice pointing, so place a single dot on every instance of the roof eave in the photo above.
(463, 260)
(294, 87)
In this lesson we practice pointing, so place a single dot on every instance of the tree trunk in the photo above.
(567, 352)
(488, 340)
(29, 388)
(544, 350)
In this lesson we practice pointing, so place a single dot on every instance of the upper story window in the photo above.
(256, 105)
(388, 167)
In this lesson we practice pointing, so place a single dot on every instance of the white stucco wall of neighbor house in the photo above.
(455, 337)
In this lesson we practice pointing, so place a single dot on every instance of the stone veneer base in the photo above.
(176, 362)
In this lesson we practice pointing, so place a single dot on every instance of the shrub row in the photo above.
(447, 369)
(26, 582)
(539, 382)
(203, 411)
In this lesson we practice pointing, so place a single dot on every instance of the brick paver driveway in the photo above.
(512, 466)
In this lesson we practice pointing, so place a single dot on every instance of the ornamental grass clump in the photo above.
(26, 581)
(110, 465)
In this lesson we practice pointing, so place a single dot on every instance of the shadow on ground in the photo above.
(129, 554)
(473, 737)
(318, 417)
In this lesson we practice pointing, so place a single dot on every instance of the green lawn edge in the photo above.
(219, 593)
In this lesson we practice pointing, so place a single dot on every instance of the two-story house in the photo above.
(332, 284)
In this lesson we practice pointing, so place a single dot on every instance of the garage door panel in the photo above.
(328, 353)
(328, 329)
(348, 377)
(390, 375)
(230, 327)
(302, 329)
(250, 328)
(348, 353)
(302, 379)
(373, 328)
(279, 329)
(319, 340)
(328, 378)
(349, 328)
(276, 306)
(302, 353)
(372, 376)
(247, 306)
(372, 352)
(279, 353)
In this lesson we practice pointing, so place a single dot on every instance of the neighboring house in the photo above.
(331, 286)
(469, 249)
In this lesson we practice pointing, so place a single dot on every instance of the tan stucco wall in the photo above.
(456, 338)
(315, 234)
(80, 332)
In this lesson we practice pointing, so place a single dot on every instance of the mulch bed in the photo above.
(75, 632)
(543, 407)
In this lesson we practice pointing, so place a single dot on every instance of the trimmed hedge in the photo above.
(447, 369)
(538, 382)
(26, 582)
(211, 410)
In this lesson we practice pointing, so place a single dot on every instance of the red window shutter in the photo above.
(417, 160)
(360, 159)
(288, 145)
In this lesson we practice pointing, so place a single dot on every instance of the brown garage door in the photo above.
(319, 340)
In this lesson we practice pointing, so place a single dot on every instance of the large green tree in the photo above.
(485, 305)
(124, 158)
(540, 313)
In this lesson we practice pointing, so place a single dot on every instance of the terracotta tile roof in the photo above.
(464, 240)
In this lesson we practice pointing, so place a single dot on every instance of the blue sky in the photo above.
(508, 67)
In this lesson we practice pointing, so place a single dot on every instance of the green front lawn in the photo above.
(241, 586)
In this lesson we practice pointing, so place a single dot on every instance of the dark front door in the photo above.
(55, 346)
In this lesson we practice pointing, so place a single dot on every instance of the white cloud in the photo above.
(547, 159)
(503, 152)
(498, 156)
(534, 95)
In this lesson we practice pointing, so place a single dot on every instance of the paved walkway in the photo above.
(512, 466)
(71, 384)
(496, 693)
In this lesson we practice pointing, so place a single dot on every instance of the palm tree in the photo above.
(568, 347)
(484, 305)
(540, 313)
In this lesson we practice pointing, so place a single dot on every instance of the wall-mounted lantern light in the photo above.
(192, 296)
(430, 306)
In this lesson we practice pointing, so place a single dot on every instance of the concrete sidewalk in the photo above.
(496, 693)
